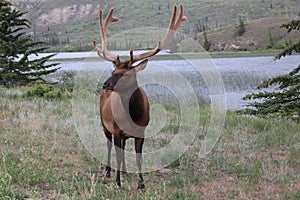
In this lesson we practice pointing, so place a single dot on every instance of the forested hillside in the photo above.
(68, 25)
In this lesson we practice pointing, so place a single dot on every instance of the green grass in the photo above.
(42, 157)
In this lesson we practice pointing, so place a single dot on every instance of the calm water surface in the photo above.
(239, 75)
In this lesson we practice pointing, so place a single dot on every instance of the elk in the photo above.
(124, 106)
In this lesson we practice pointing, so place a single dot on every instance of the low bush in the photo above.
(47, 91)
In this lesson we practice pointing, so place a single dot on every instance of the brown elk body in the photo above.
(124, 106)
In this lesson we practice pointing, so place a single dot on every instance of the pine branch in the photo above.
(289, 50)
(295, 71)
(292, 25)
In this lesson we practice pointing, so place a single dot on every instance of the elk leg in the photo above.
(109, 146)
(117, 143)
(123, 143)
(138, 149)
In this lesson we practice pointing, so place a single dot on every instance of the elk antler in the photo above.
(173, 26)
(104, 53)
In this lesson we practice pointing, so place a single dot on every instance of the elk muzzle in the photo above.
(107, 86)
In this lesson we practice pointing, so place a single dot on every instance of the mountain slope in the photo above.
(70, 25)
(260, 33)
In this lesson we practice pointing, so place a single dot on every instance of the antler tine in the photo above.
(131, 55)
(173, 26)
(173, 18)
(104, 53)
(109, 18)
(180, 18)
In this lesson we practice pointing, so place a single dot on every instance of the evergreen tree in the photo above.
(284, 99)
(17, 65)
(207, 43)
(241, 29)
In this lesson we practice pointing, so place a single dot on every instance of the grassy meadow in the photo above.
(42, 157)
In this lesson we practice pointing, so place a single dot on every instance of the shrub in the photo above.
(67, 80)
(47, 91)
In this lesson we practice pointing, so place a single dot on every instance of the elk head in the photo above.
(123, 80)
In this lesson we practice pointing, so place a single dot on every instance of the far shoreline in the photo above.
(81, 56)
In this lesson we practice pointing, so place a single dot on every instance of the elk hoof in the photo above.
(141, 186)
(119, 184)
(107, 175)
(106, 178)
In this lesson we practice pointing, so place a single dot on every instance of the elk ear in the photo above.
(116, 62)
(141, 66)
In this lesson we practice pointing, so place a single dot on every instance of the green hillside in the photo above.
(260, 34)
(72, 25)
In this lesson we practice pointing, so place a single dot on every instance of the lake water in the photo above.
(238, 76)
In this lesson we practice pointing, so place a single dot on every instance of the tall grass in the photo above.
(42, 157)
